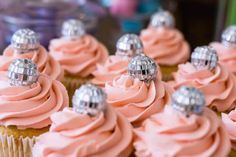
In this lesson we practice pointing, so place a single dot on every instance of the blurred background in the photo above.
(201, 21)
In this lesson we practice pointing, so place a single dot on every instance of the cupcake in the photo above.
(27, 100)
(78, 53)
(90, 128)
(127, 46)
(165, 44)
(230, 122)
(184, 128)
(140, 93)
(25, 44)
(226, 49)
(204, 73)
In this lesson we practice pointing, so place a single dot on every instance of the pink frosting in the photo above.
(172, 134)
(135, 99)
(78, 57)
(75, 135)
(166, 46)
(113, 67)
(227, 55)
(218, 86)
(230, 122)
(31, 106)
(45, 63)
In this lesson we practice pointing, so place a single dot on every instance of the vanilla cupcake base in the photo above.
(73, 82)
(167, 72)
(18, 143)
(232, 153)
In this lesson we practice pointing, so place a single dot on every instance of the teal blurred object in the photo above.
(106, 3)
(132, 25)
(137, 22)
(148, 6)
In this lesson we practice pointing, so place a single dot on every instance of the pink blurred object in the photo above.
(125, 8)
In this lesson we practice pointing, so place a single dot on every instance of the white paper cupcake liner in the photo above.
(12, 147)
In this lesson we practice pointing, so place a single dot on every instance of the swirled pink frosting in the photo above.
(31, 106)
(78, 57)
(230, 122)
(45, 62)
(227, 55)
(166, 46)
(135, 99)
(172, 134)
(218, 86)
(74, 135)
(113, 67)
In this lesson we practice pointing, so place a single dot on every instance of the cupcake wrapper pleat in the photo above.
(13, 147)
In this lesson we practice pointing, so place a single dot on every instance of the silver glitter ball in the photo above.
(188, 100)
(129, 45)
(143, 68)
(204, 57)
(73, 29)
(162, 19)
(89, 99)
(228, 37)
(22, 72)
(25, 40)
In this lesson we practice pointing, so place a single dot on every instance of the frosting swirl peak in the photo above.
(171, 133)
(78, 57)
(135, 99)
(45, 62)
(72, 134)
(163, 45)
(227, 55)
(31, 106)
(218, 86)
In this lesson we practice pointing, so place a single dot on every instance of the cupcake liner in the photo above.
(16, 147)
(72, 83)
(167, 72)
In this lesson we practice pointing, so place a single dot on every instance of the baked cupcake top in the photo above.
(25, 44)
(184, 128)
(86, 130)
(229, 121)
(216, 82)
(162, 42)
(77, 52)
(127, 46)
(226, 49)
(27, 99)
(140, 93)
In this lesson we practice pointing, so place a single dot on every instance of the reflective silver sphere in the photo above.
(143, 68)
(73, 29)
(129, 45)
(228, 37)
(25, 40)
(204, 57)
(22, 72)
(162, 19)
(89, 99)
(188, 100)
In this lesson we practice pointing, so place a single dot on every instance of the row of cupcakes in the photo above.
(99, 127)
(29, 101)
(77, 55)
(94, 128)
(82, 57)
